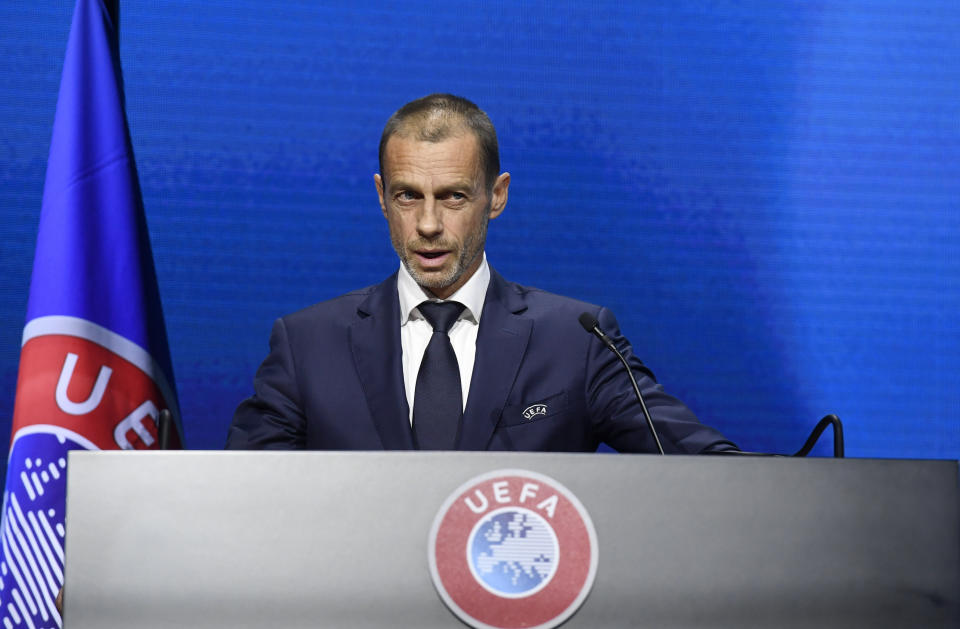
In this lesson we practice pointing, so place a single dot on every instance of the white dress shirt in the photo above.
(415, 330)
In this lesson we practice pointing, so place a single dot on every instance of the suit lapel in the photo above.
(501, 343)
(375, 341)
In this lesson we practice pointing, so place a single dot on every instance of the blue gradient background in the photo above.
(768, 196)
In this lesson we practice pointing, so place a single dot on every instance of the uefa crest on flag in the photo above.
(513, 548)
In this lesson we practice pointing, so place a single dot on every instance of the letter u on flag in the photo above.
(95, 367)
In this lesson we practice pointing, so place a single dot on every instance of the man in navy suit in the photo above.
(445, 353)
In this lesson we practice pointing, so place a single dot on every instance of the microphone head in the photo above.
(589, 322)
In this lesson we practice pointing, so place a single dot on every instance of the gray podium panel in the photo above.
(316, 539)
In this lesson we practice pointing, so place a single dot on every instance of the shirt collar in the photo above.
(472, 294)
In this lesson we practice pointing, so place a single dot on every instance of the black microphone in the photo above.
(591, 325)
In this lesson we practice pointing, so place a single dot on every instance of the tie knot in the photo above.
(441, 315)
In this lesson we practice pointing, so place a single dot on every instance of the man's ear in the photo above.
(378, 180)
(498, 199)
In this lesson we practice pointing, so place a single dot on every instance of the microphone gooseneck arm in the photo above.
(591, 325)
(163, 429)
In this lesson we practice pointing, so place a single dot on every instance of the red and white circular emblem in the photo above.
(511, 549)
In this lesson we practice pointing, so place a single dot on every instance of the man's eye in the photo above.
(405, 195)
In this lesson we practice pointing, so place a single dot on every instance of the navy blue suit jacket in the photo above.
(333, 380)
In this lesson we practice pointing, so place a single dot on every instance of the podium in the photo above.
(337, 539)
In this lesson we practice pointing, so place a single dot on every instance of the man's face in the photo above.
(435, 199)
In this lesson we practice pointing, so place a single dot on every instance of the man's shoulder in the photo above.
(539, 300)
(341, 309)
(559, 313)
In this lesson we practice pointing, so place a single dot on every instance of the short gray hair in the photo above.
(436, 117)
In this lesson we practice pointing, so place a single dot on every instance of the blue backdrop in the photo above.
(767, 195)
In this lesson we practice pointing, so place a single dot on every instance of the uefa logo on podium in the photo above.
(513, 548)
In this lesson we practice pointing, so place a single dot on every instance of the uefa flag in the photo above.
(95, 368)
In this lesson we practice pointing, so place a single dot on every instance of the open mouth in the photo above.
(433, 259)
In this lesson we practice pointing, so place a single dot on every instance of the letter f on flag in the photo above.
(95, 367)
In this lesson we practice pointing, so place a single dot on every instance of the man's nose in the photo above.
(429, 221)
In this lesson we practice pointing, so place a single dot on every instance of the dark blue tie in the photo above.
(438, 401)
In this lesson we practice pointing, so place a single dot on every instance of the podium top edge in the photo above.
(481, 454)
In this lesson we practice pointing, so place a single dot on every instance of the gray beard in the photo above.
(472, 247)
